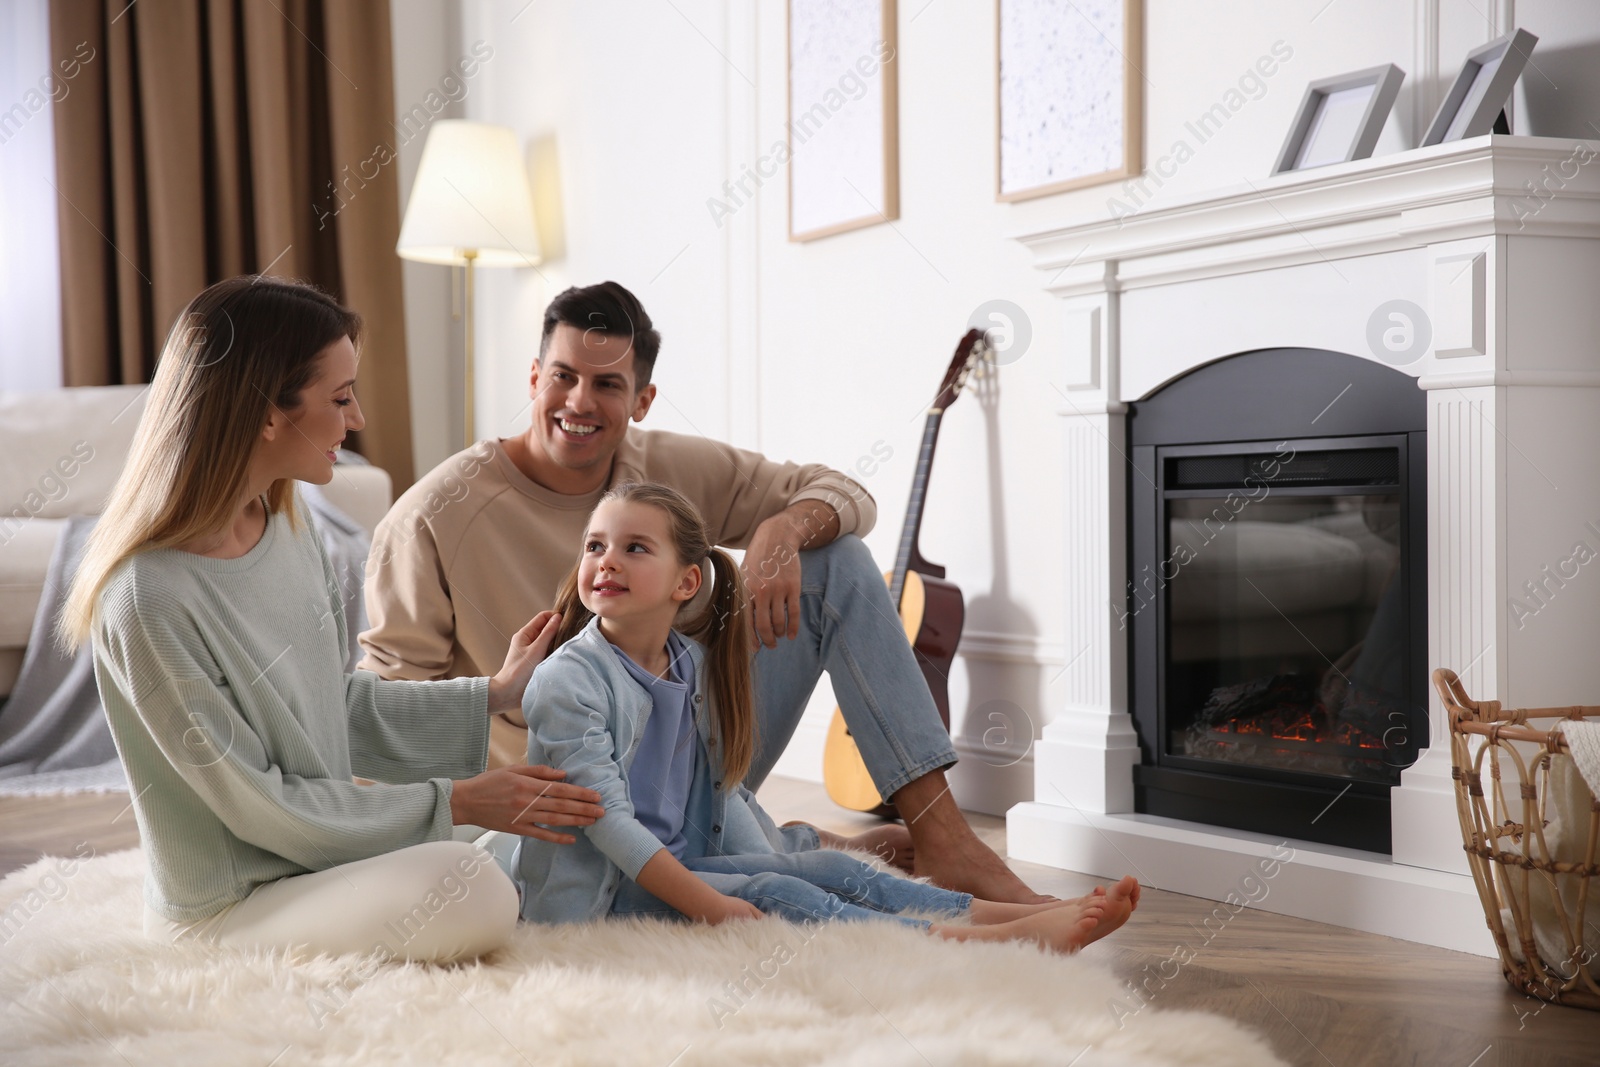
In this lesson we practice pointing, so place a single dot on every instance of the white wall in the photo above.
(623, 97)
(821, 350)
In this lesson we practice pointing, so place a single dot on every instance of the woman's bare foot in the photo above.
(1119, 902)
(1065, 927)
(890, 842)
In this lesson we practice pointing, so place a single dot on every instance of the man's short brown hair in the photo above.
(613, 311)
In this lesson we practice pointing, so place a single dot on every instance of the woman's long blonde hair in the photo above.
(723, 627)
(241, 348)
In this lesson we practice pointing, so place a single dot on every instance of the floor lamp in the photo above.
(471, 206)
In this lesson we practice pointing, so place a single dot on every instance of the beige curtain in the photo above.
(209, 138)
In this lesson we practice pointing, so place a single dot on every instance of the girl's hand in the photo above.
(517, 799)
(529, 646)
(726, 908)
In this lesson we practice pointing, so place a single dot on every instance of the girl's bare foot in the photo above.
(990, 912)
(1065, 927)
(1118, 903)
(890, 842)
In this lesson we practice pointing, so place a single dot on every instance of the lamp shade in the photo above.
(470, 195)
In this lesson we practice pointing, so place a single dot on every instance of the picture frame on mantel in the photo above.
(1069, 95)
(842, 134)
(1482, 90)
(1340, 118)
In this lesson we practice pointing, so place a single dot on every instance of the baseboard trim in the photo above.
(1322, 883)
(1010, 648)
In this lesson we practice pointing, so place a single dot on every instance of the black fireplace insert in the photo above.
(1276, 606)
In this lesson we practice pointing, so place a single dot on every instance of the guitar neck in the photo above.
(906, 555)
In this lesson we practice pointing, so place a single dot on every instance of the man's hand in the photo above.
(772, 566)
(517, 799)
(528, 648)
(772, 575)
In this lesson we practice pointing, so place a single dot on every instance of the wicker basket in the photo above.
(1507, 848)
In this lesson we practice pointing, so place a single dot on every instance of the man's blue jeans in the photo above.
(849, 628)
(805, 887)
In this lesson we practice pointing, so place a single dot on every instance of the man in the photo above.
(483, 541)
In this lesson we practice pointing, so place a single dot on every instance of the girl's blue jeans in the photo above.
(805, 887)
(850, 629)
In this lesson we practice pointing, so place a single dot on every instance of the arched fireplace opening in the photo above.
(1277, 601)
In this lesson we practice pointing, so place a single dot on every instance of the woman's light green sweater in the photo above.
(224, 683)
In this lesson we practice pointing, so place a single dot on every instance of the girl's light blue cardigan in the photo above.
(585, 716)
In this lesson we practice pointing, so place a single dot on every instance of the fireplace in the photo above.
(1277, 621)
(1436, 251)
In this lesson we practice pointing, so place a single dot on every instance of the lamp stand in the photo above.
(469, 255)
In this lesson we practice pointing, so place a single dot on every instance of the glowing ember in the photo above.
(1282, 723)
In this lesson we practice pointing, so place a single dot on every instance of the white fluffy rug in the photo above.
(79, 984)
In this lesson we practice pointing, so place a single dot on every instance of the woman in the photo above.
(219, 647)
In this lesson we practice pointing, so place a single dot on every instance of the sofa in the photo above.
(60, 455)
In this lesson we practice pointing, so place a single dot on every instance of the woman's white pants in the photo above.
(436, 902)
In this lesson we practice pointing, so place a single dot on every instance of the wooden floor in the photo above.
(1322, 995)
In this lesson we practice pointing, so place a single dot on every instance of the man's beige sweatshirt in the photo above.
(475, 548)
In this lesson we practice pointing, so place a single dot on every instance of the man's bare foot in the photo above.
(890, 842)
(948, 853)
(1118, 903)
(972, 867)
(1065, 927)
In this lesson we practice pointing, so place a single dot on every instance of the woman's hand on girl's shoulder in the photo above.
(518, 800)
(529, 646)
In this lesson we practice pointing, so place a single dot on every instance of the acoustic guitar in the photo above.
(931, 609)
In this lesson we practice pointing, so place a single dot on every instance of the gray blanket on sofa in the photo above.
(52, 720)
(53, 733)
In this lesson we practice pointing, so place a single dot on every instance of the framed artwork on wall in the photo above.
(1340, 118)
(843, 143)
(1069, 94)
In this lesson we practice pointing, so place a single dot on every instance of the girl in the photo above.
(209, 598)
(662, 728)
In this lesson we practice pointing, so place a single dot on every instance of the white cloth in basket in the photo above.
(1573, 783)
(1583, 741)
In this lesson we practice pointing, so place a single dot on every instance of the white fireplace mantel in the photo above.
(1491, 248)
